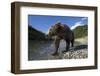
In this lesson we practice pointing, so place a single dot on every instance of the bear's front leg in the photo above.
(56, 43)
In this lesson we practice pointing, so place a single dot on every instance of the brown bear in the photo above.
(61, 31)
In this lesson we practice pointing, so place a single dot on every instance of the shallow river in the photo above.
(43, 50)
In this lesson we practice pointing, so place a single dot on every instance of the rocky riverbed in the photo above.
(43, 50)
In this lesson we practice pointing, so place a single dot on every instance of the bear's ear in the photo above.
(58, 25)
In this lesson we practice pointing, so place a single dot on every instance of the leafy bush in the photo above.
(81, 31)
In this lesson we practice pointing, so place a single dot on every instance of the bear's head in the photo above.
(54, 29)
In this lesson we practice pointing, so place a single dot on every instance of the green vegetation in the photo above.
(81, 31)
(35, 34)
